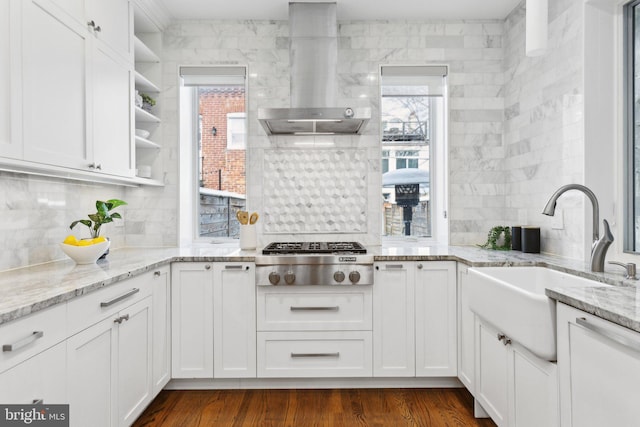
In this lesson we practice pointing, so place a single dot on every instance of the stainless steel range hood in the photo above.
(313, 53)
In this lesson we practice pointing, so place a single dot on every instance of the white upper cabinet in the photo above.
(10, 140)
(54, 67)
(76, 91)
(110, 21)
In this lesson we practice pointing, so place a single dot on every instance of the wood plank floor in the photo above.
(301, 408)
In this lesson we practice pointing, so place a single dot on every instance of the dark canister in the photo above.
(530, 240)
(516, 238)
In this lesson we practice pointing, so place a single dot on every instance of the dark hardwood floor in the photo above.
(300, 408)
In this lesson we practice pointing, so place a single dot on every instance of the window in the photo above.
(216, 112)
(413, 137)
(632, 118)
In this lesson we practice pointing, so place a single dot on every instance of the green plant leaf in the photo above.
(116, 215)
(114, 203)
(81, 221)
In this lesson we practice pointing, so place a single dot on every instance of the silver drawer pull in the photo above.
(620, 339)
(298, 355)
(120, 298)
(233, 267)
(336, 308)
(37, 402)
(23, 342)
(393, 266)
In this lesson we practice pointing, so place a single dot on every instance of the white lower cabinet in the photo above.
(466, 333)
(394, 319)
(414, 319)
(109, 368)
(161, 327)
(514, 387)
(314, 331)
(213, 326)
(436, 319)
(192, 320)
(234, 320)
(42, 378)
(599, 369)
(314, 354)
(109, 355)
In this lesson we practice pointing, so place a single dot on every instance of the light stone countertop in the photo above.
(29, 289)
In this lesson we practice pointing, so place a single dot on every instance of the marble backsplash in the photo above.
(543, 128)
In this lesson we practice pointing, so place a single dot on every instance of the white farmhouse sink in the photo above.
(512, 299)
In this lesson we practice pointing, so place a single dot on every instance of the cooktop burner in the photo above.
(279, 248)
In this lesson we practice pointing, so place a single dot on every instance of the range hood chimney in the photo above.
(313, 53)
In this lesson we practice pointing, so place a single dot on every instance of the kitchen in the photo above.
(519, 127)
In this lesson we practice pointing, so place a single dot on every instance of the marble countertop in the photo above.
(29, 289)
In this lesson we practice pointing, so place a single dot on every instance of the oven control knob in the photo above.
(289, 277)
(274, 278)
(354, 276)
(338, 276)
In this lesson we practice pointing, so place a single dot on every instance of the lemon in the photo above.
(70, 240)
(85, 243)
(99, 239)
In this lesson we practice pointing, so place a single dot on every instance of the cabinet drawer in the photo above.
(315, 308)
(28, 336)
(89, 309)
(314, 354)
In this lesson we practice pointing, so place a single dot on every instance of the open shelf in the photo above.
(144, 84)
(142, 52)
(145, 143)
(143, 116)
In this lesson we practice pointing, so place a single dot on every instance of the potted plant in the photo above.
(147, 102)
(102, 216)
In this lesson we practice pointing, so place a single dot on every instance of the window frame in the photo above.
(189, 169)
(438, 160)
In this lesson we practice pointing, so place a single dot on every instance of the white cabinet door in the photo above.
(54, 77)
(10, 78)
(134, 361)
(234, 308)
(109, 367)
(435, 311)
(161, 372)
(466, 333)
(533, 390)
(491, 369)
(92, 368)
(192, 320)
(112, 115)
(599, 367)
(393, 320)
(115, 20)
(40, 378)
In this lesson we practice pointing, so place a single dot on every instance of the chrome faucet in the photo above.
(600, 245)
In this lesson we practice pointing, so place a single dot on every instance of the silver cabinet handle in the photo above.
(157, 273)
(393, 266)
(121, 319)
(233, 267)
(298, 355)
(420, 266)
(336, 308)
(23, 342)
(207, 267)
(120, 298)
(620, 339)
(37, 401)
